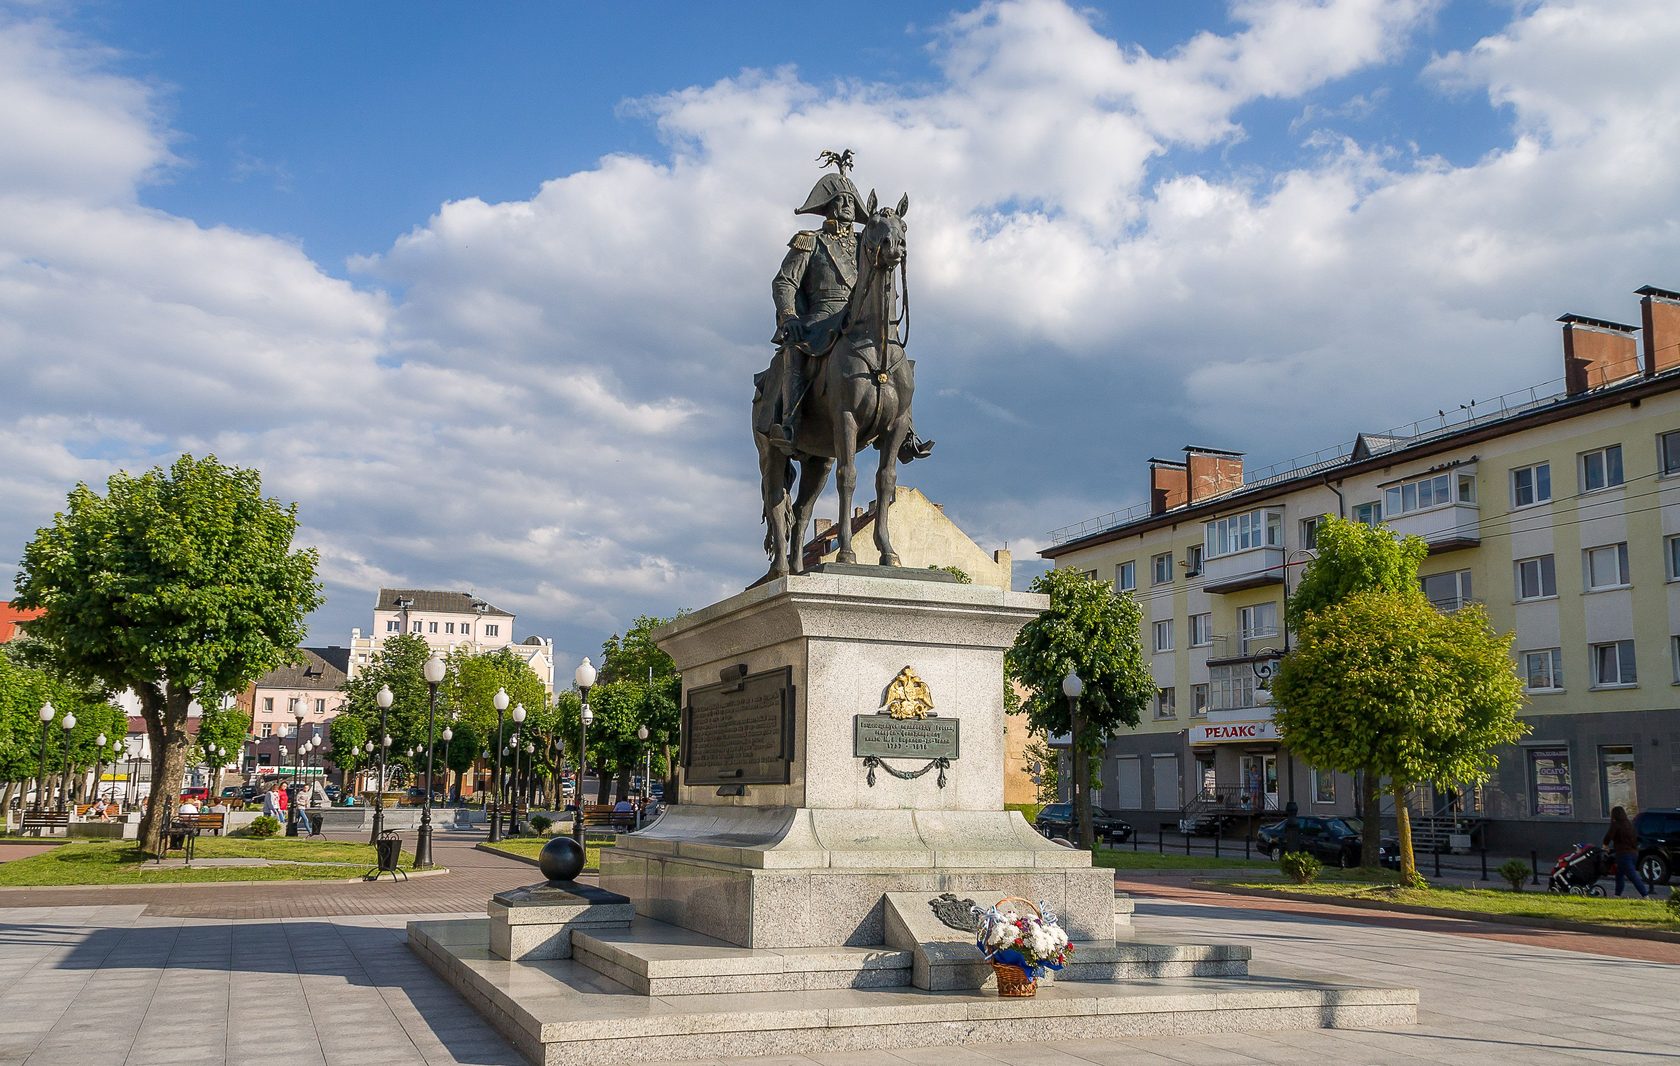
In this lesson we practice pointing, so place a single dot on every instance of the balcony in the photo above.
(1451, 528)
(1243, 570)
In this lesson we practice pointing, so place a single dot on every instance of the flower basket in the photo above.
(1020, 945)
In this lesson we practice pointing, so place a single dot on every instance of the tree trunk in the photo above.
(603, 784)
(670, 776)
(1370, 841)
(623, 789)
(1403, 825)
(166, 728)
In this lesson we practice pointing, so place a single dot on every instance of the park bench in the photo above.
(40, 820)
(206, 822)
(82, 810)
(602, 816)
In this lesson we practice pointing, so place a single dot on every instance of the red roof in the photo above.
(10, 617)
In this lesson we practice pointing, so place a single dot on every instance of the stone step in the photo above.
(656, 959)
(563, 1013)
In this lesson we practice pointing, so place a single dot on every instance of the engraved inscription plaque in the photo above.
(886, 737)
(740, 731)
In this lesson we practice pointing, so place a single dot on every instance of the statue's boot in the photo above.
(914, 447)
(793, 383)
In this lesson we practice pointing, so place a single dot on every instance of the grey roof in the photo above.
(441, 602)
(321, 669)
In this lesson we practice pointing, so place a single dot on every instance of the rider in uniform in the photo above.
(811, 291)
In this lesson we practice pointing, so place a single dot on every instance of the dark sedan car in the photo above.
(1056, 820)
(1333, 841)
(1659, 842)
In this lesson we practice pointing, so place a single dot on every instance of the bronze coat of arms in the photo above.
(908, 696)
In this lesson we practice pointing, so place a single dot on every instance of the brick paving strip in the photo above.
(1564, 940)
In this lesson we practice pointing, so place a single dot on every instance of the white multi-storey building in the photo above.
(447, 621)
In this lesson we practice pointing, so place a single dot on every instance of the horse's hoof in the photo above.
(846, 557)
(889, 559)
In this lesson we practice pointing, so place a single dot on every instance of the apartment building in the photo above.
(1558, 507)
(447, 621)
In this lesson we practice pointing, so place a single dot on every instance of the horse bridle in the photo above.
(900, 326)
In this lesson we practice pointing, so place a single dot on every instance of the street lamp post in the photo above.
(100, 743)
(423, 842)
(47, 714)
(383, 698)
(500, 701)
(1073, 688)
(69, 723)
(514, 826)
(446, 736)
(584, 678)
(294, 811)
(647, 769)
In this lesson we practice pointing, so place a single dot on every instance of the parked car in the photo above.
(1056, 820)
(1659, 842)
(1334, 841)
(417, 796)
(197, 795)
(234, 792)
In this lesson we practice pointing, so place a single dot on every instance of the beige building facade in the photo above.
(448, 621)
(1557, 507)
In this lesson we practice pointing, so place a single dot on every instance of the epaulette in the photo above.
(804, 241)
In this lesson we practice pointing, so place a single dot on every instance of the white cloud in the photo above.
(553, 410)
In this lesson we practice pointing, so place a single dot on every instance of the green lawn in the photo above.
(1584, 910)
(119, 862)
(527, 848)
(1123, 859)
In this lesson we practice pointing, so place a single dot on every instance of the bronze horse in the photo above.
(860, 396)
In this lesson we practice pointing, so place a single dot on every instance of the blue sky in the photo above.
(480, 286)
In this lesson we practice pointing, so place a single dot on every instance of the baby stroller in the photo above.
(1577, 871)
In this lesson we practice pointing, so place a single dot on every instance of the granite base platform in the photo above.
(566, 1013)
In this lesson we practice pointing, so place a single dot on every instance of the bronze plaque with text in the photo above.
(886, 737)
(740, 732)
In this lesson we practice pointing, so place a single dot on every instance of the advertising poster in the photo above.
(1553, 794)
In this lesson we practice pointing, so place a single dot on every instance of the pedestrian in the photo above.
(1624, 843)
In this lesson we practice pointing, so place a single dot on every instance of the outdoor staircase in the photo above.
(1433, 832)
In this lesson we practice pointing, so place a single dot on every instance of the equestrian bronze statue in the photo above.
(840, 381)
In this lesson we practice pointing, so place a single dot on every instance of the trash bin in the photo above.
(388, 854)
(315, 823)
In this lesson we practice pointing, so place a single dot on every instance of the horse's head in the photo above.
(883, 233)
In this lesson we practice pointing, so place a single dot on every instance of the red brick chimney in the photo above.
(1167, 486)
(1596, 353)
(1211, 472)
(1659, 312)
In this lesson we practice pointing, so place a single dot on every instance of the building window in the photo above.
(1166, 703)
(492, 629)
(1551, 793)
(1606, 566)
(1668, 453)
(466, 629)
(1163, 635)
(449, 627)
(417, 626)
(1241, 532)
(1193, 560)
(1613, 664)
(1162, 565)
(1531, 485)
(1601, 469)
(392, 625)
(431, 627)
(1368, 513)
(1449, 591)
(1231, 687)
(1617, 783)
(266, 729)
(1198, 700)
(268, 704)
(1201, 630)
(1536, 578)
(1125, 576)
(1423, 494)
(1258, 622)
(321, 706)
(1543, 670)
(1323, 786)
(1309, 531)
(1673, 545)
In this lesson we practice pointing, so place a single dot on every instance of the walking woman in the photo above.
(1624, 843)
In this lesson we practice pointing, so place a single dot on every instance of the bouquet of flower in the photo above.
(1027, 938)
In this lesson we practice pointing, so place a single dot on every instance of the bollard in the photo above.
(1247, 840)
(1160, 840)
(1437, 862)
(1534, 864)
(1187, 845)
(1484, 860)
(1216, 828)
(1136, 836)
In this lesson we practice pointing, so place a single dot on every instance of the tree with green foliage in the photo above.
(471, 684)
(178, 585)
(222, 729)
(1352, 557)
(400, 664)
(23, 689)
(1383, 681)
(638, 685)
(1092, 631)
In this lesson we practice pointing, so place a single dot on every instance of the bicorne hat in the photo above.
(826, 191)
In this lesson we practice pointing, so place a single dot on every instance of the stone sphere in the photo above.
(561, 859)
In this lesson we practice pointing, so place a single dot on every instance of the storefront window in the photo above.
(1324, 786)
(1553, 794)
(1616, 778)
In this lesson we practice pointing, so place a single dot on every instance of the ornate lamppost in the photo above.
(513, 784)
(446, 736)
(647, 770)
(294, 811)
(69, 723)
(500, 701)
(423, 842)
(584, 678)
(1073, 688)
(100, 743)
(46, 714)
(383, 698)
